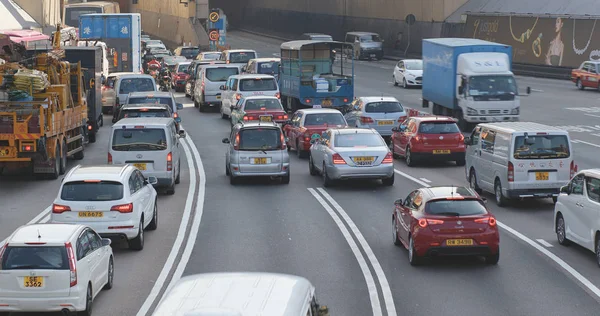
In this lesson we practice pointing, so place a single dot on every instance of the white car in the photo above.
(408, 73)
(115, 200)
(54, 267)
(242, 86)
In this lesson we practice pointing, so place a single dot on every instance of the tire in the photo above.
(395, 238)
(493, 259)
(80, 154)
(63, 158)
(201, 107)
(89, 303)
(111, 275)
(92, 137)
(301, 153)
(233, 180)
(597, 250)
(388, 182)
(404, 84)
(408, 158)
(56, 172)
(137, 243)
(178, 179)
(579, 84)
(311, 167)
(227, 173)
(561, 231)
(154, 223)
(413, 257)
(473, 182)
(196, 104)
(327, 182)
(461, 162)
(500, 199)
(286, 179)
(395, 81)
(171, 189)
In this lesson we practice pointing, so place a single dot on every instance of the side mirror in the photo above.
(222, 87)
(106, 242)
(398, 202)
(461, 90)
(528, 91)
(179, 106)
(565, 189)
(485, 200)
(467, 140)
(395, 129)
(181, 133)
(152, 180)
(225, 141)
(178, 119)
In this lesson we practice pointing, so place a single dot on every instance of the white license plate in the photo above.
(373, 55)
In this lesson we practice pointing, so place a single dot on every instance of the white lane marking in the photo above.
(574, 141)
(583, 280)
(592, 115)
(425, 180)
(596, 135)
(385, 286)
(544, 243)
(390, 82)
(166, 270)
(536, 90)
(191, 241)
(583, 142)
(35, 220)
(371, 287)
(409, 177)
(45, 219)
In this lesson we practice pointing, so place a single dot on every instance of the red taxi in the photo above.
(180, 76)
(310, 123)
(445, 221)
(429, 138)
(258, 108)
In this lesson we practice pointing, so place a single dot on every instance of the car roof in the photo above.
(239, 51)
(192, 47)
(353, 130)
(378, 99)
(145, 106)
(50, 233)
(211, 52)
(149, 122)
(263, 59)
(411, 59)
(184, 63)
(591, 172)
(118, 74)
(442, 192)
(431, 118)
(510, 127)
(362, 33)
(250, 76)
(134, 75)
(318, 34)
(151, 94)
(257, 124)
(97, 172)
(260, 97)
(222, 65)
(319, 111)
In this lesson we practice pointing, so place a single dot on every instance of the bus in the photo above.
(74, 10)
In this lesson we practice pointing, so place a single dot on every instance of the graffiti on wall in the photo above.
(557, 41)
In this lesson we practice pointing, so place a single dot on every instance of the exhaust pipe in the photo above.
(66, 312)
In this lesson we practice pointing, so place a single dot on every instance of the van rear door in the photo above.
(144, 147)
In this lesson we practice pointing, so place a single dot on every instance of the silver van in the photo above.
(366, 45)
(519, 160)
(257, 149)
(207, 90)
(128, 83)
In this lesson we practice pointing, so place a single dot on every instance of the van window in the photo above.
(264, 104)
(358, 140)
(220, 74)
(38, 258)
(438, 128)
(140, 100)
(268, 68)
(260, 139)
(370, 38)
(593, 188)
(211, 56)
(72, 14)
(241, 57)
(189, 52)
(143, 139)
(258, 84)
(92, 191)
(129, 85)
(541, 147)
(487, 141)
(383, 107)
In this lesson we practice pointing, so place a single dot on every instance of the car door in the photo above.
(400, 71)
(85, 268)
(406, 135)
(224, 95)
(472, 152)
(99, 266)
(136, 195)
(405, 216)
(353, 116)
(591, 210)
(296, 130)
(585, 74)
(237, 114)
(323, 150)
(147, 196)
(573, 207)
(485, 173)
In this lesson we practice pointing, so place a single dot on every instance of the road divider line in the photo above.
(35, 220)
(544, 243)
(425, 180)
(583, 142)
(536, 90)
(594, 115)
(385, 286)
(578, 276)
(371, 286)
(166, 270)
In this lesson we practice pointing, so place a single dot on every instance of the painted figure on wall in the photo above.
(556, 49)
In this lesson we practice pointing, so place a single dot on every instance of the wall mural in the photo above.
(540, 40)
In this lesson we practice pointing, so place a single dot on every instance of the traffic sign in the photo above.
(214, 16)
(213, 35)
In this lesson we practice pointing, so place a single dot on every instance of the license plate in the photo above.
(218, 97)
(326, 103)
(373, 55)
(260, 161)
(385, 122)
(266, 118)
(361, 161)
(91, 214)
(439, 151)
(141, 166)
(33, 281)
(459, 242)
(542, 176)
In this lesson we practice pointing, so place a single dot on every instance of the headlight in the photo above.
(515, 111)
(471, 111)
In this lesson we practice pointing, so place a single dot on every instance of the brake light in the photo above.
(573, 168)
(282, 139)
(72, 263)
(401, 119)
(170, 162)
(59, 209)
(511, 172)
(175, 115)
(250, 118)
(282, 117)
(278, 95)
(35, 243)
(109, 159)
(345, 100)
(424, 222)
(366, 120)
(123, 208)
(238, 96)
(389, 158)
(486, 220)
(338, 160)
(2, 250)
(417, 138)
(236, 144)
(461, 138)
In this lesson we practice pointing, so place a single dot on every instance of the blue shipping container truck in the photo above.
(469, 79)
(122, 34)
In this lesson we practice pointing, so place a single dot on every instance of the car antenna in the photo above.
(39, 236)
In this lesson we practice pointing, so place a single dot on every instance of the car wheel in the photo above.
(56, 172)
(200, 107)
(227, 173)
(395, 81)
(63, 158)
(388, 182)
(404, 84)
(396, 240)
(580, 85)
(232, 179)
(500, 199)
(171, 189)
(178, 179)
(461, 162)
(413, 257)
(137, 243)
(89, 302)
(154, 223)
(408, 157)
(561, 231)
(111, 274)
(311, 166)
(598, 250)
(327, 182)
(493, 259)
(473, 181)
(286, 179)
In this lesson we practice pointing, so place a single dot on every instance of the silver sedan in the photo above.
(351, 153)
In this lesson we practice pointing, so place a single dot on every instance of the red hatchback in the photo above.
(425, 138)
(310, 123)
(445, 221)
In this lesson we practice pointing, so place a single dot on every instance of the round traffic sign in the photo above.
(213, 35)
(214, 17)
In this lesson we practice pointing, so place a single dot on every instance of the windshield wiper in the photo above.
(448, 213)
(149, 145)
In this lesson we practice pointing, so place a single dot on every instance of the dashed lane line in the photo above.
(544, 243)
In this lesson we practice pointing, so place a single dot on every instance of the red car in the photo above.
(306, 123)
(180, 76)
(426, 138)
(445, 221)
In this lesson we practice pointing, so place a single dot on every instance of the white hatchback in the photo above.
(54, 267)
(116, 201)
(242, 86)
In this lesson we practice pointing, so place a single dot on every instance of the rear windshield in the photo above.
(183, 68)
(241, 57)
(358, 140)
(268, 68)
(221, 74)
(541, 147)
(211, 56)
(455, 207)
(138, 100)
(260, 139)
(72, 14)
(263, 104)
(190, 51)
(324, 119)
(125, 113)
(438, 128)
(321, 38)
(142, 139)
(92, 191)
(383, 107)
(266, 84)
(38, 258)
(129, 85)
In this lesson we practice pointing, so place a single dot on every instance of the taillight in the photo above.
(461, 138)
(109, 159)
(389, 158)
(401, 119)
(238, 96)
(123, 208)
(236, 143)
(169, 161)
(338, 160)
(417, 138)
(307, 136)
(2, 250)
(282, 117)
(573, 168)
(72, 263)
(282, 139)
(59, 209)
(278, 95)
(486, 220)
(175, 115)
(366, 120)
(511, 172)
(424, 222)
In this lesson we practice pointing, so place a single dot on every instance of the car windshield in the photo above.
(413, 65)
(72, 14)
(241, 57)
(136, 113)
(211, 56)
(438, 128)
(321, 38)
(541, 147)
(190, 52)
(383, 107)
(491, 86)
(151, 100)
(268, 68)
(324, 119)
(263, 104)
(455, 207)
(139, 139)
(370, 38)
(260, 139)
(221, 74)
(92, 191)
(129, 85)
(154, 42)
(258, 84)
(358, 140)
(183, 68)
(35, 258)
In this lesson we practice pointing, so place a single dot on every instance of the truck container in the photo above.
(470, 80)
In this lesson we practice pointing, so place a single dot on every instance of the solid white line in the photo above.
(544, 243)
(371, 287)
(537, 90)
(409, 177)
(45, 219)
(191, 241)
(158, 285)
(591, 144)
(592, 115)
(385, 286)
(425, 180)
(574, 141)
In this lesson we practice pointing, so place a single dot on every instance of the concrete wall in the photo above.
(45, 12)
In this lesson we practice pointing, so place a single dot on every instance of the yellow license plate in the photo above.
(141, 166)
(385, 123)
(266, 118)
(326, 103)
(91, 214)
(218, 97)
(439, 151)
(459, 242)
(33, 281)
(363, 159)
(542, 176)
(260, 161)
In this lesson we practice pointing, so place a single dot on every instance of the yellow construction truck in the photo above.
(43, 113)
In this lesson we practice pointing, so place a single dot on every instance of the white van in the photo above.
(128, 83)
(207, 90)
(241, 86)
(152, 145)
(519, 160)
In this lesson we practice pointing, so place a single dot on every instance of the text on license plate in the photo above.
(266, 118)
(542, 176)
(440, 151)
(91, 214)
(33, 281)
(141, 166)
(459, 242)
(260, 161)
(390, 122)
(326, 102)
(363, 160)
